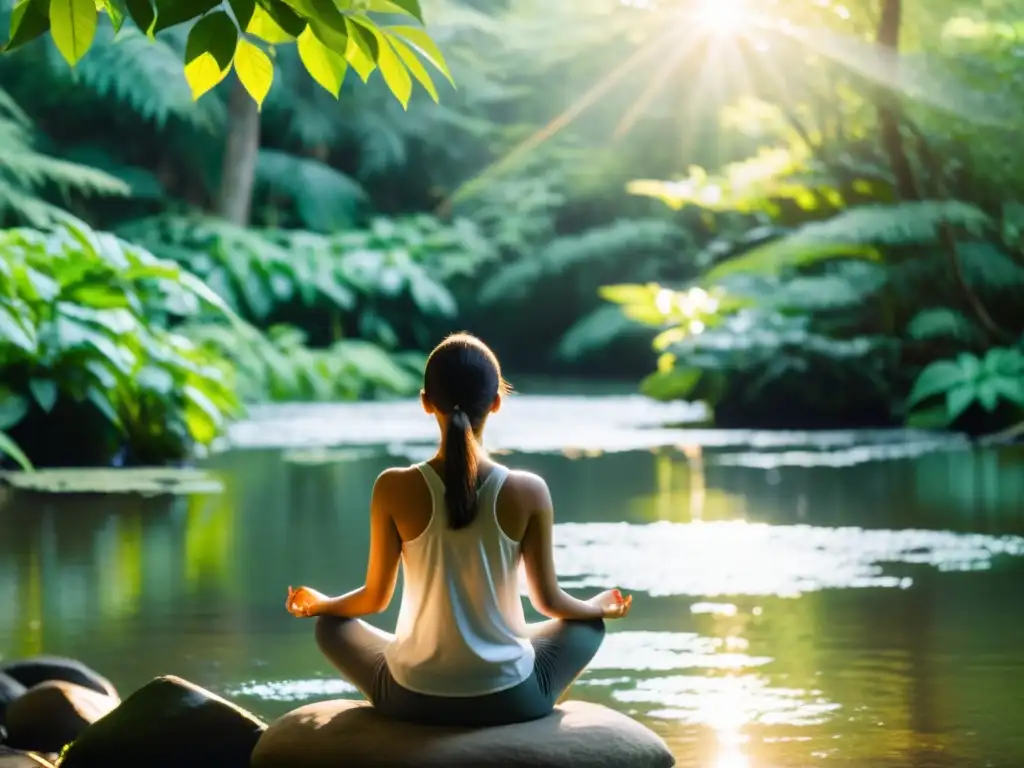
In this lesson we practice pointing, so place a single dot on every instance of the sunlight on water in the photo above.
(295, 690)
(738, 558)
(664, 651)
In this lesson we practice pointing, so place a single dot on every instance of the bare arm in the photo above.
(538, 557)
(385, 553)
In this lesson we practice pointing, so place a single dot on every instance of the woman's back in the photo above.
(461, 628)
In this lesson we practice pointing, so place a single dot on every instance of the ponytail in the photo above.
(460, 470)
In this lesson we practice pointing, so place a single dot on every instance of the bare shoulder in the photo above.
(398, 483)
(528, 490)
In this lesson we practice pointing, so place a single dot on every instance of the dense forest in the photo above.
(806, 214)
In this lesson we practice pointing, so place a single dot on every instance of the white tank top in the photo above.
(461, 628)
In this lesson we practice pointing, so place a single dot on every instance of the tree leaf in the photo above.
(393, 70)
(414, 66)
(408, 7)
(284, 17)
(12, 409)
(1010, 389)
(263, 26)
(988, 394)
(45, 392)
(421, 41)
(959, 398)
(970, 366)
(941, 376)
(244, 10)
(116, 10)
(73, 27)
(324, 65)
(361, 50)
(29, 20)
(101, 400)
(143, 14)
(171, 13)
(255, 70)
(209, 51)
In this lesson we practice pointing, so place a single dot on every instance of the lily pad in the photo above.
(148, 481)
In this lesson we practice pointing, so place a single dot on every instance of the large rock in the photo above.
(40, 669)
(169, 723)
(51, 715)
(10, 689)
(350, 734)
(12, 758)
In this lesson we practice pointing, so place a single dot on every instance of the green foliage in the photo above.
(81, 332)
(237, 35)
(26, 174)
(966, 381)
(279, 367)
(8, 447)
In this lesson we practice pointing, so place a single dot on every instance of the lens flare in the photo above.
(723, 16)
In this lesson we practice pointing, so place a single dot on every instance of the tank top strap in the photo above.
(487, 499)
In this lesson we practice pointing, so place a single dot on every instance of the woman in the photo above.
(462, 653)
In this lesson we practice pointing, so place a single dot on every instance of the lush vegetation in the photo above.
(811, 209)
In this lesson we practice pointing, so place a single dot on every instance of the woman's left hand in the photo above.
(305, 602)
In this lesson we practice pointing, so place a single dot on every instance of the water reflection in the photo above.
(863, 615)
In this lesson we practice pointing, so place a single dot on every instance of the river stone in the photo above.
(13, 758)
(40, 669)
(10, 689)
(350, 734)
(51, 715)
(169, 723)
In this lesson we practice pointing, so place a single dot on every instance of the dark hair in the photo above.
(461, 380)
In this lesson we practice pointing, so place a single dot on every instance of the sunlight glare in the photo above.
(723, 16)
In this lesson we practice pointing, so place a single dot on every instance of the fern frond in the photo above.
(623, 239)
(596, 330)
(943, 323)
(325, 199)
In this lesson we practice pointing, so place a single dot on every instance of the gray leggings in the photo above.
(563, 649)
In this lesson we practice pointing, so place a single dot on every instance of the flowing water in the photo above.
(837, 599)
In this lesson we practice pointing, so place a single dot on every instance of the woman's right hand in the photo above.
(612, 604)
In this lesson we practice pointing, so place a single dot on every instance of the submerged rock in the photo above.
(40, 669)
(13, 758)
(333, 733)
(10, 689)
(169, 723)
(51, 715)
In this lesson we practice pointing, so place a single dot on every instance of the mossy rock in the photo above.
(149, 481)
(169, 723)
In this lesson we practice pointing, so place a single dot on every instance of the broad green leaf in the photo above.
(941, 376)
(988, 394)
(13, 408)
(675, 384)
(407, 7)
(324, 65)
(143, 14)
(959, 400)
(414, 66)
(29, 20)
(45, 392)
(12, 449)
(244, 10)
(263, 26)
(255, 70)
(970, 366)
(1010, 389)
(359, 52)
(421, 41)
(171, 13)
(101, 400)
(13, 330)
(209, 51)
(73, 27)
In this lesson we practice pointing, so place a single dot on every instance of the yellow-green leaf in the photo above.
(395, 74)
(255, 70)
(203, 73)
(324, 65)
(29, 20)
(421, 41)
(115, 11)
(263, 26)
(73, 26)
(357, 52)
(414, 66)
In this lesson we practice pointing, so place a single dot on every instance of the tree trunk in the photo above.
(238, 169)
(889, 112)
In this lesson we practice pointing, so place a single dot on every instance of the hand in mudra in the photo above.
(612, 604)
(305, 602)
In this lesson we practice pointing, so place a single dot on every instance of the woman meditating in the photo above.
(462, 652)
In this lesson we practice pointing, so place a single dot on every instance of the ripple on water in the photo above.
(717, 559)
(294, 690)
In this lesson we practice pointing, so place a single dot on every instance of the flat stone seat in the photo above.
(350, 734)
